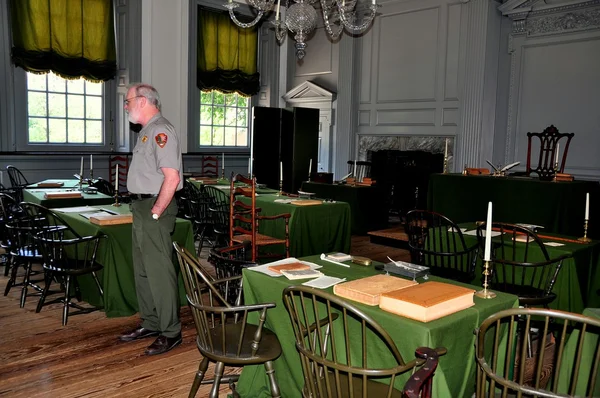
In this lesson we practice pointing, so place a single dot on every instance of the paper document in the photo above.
(473, 232)
(554, 244)
(78, 209)
(452, 229)
(95, 214)
(324, 282)
(324, 258)
(264, 268)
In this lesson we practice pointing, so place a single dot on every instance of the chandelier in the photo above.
(300, 18)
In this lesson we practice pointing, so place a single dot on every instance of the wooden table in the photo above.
(455, 376)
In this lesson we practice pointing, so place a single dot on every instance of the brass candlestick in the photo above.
(445, 164)
(91, 176)
(485, 293)
(222, 174)
(116, 204)
(280, 193)
(585, 239)
(555, 171)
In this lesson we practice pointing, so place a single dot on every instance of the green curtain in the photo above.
(226, 55)
(72, 38)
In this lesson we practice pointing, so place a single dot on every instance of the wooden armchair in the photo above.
(210, 166)
(549, 138)
(363, 169)
(420, 383)
(437, 242)
(123, 162)
(225, 336)
(244, 219)
(567, 366)
(341, 351)
(521, 264)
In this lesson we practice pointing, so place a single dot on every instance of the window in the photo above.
(223, 119)
(61, 111)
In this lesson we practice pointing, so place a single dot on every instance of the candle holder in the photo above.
(222, 174)
(555, 172)
(91, 176)
(280, 193)
(485, 293)
(81, 183)
(116, 204)
(445, 164)
(584, 238)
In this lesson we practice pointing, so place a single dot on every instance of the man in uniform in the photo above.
(154, 175)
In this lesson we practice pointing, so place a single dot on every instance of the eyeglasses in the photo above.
(128, 100)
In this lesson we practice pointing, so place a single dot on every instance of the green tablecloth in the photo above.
(558, 206)
(114, 254)
(37, 196)
(455, 376)
(366, 207)
(578, 279)
(589, 350)
(313, 229)
(70, 183)
(199, 183)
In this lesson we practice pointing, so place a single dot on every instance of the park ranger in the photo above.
(154, 175)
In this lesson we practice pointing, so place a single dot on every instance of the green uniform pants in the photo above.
(155, 275)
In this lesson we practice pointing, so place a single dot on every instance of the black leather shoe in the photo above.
(163, 344)
(138, 333)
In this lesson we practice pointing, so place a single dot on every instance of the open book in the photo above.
(503, 169)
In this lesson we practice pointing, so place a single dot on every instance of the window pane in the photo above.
(230, 99)
(36, 82)
(230, 136)
(76, 132)
(57, 105)
(205, 135)
(75, 105)
(242, 117)
(242, 137)
(93, 88)
(58, 131)
(218, 133)
(205, 114)
(205, 97)
(55, 83)
(231, 116)
(93, 129)
(242, 102)
(37, 130)
(93, 107)
(75, 86)
(218, 116)
(219, 98)
(36, 104)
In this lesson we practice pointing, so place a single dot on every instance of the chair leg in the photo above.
(13, 277)
(214, 391)
(67, 300)
(271, 373)
(7, 265)
(25, 284)
(199, 377)
(48, 282)
(98, 284)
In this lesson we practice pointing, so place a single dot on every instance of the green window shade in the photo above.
(72, 38)
(226, 55)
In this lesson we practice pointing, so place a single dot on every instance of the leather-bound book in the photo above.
(112, 219)
(427, 301)
(368, 290)
(62, 195)
(288, 267)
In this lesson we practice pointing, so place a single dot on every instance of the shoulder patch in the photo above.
(161, 139)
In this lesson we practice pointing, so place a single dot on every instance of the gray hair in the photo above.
(147, 91)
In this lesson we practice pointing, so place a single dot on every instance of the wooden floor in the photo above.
(40, 358)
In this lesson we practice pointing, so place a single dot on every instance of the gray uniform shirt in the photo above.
(157, 146)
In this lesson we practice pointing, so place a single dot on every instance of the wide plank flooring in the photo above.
(40, 358)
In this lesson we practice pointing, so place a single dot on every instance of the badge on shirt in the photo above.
(144, 138)
(161, 139)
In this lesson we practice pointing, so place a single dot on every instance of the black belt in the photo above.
(140, 196)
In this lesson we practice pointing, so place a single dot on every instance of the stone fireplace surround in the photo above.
(431, 144)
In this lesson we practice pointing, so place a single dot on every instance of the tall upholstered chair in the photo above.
(210, 166)
(324, 326)
(244, 219)
(548, 140)
(437, 242)
(225, 336)
(123, 161)
(562, 358)
(363, 169)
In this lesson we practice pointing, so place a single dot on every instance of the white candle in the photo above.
(277, 13)
(91, 163)
(557, 151)
(280, 171)
(249, 162)
(117, 179)
(374, 2)
(309, 167)
(223, 161)
(354, 170)
(81, 169)
(446, 150)
(587, 206)
(488, 235)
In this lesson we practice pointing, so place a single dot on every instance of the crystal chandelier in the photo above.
(300, 18)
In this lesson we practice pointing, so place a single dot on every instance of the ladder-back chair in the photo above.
(210, 166)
